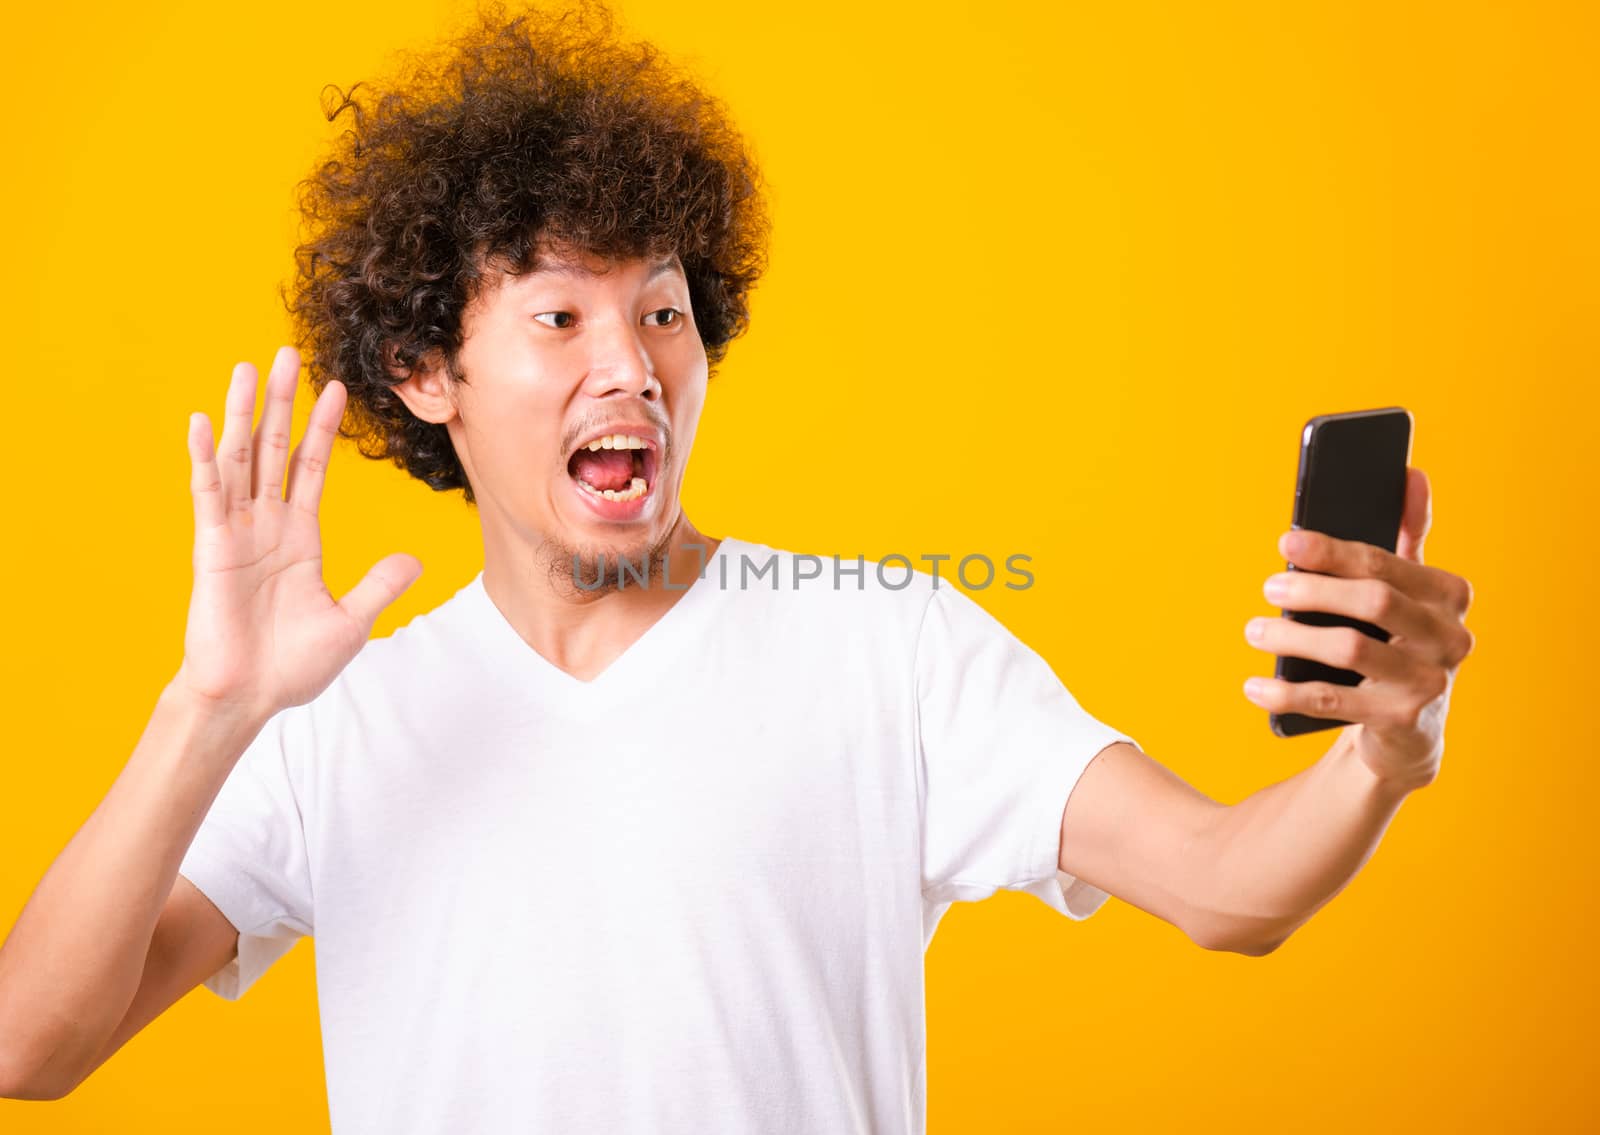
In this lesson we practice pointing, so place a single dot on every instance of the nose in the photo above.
(621, 365)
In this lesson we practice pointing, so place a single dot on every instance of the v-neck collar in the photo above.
(494, 631)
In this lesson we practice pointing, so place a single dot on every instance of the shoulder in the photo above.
(830, 585)
(889, 607)
(408, 661)
(897, 588)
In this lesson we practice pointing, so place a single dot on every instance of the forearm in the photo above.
(71, 965)
(1279, 855)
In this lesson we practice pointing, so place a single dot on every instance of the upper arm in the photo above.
(1135, 829)
(192, 941)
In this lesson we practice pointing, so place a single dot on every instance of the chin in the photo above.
(593, 562)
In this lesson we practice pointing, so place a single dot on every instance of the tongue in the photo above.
(604, 468)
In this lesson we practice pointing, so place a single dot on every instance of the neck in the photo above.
(582, 628)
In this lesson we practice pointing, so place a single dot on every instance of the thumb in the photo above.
(382, 585)
(1418, 516)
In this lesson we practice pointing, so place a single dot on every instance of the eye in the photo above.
(567, 314)
(667, 311)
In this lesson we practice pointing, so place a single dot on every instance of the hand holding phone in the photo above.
(1350, 560)
(1352, 486)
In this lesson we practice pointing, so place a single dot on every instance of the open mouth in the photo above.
(615, 467)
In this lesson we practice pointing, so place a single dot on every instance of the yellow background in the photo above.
(1062, 280)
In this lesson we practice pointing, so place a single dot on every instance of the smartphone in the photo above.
(1351, 485)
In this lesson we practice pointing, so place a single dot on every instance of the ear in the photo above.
(425, 388)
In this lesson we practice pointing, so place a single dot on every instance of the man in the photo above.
(586, 855)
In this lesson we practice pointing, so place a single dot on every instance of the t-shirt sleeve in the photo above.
(1002, 743)
(249, 856)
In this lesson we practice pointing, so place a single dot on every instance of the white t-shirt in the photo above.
(692, 896)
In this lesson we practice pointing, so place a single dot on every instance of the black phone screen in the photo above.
(1351, 485)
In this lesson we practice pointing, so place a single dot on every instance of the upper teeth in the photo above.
(618, 441)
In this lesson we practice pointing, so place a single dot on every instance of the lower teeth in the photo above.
(634, 491)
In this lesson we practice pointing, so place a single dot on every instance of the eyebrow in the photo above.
(564, 268)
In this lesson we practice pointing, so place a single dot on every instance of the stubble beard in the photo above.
(590, 571)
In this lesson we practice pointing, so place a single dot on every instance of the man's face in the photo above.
(555, 360)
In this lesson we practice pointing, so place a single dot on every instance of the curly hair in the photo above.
(539, 128)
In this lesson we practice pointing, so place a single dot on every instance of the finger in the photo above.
(1355, 559)
(1425, 630)
(1344, 647)
(271, 449)
(1378, 706)
(1315, 699)
(1418, 516)
(381, 586)
(233, 450)
(310, 466)
(205, 484)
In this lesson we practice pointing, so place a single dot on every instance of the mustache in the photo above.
(590, 428)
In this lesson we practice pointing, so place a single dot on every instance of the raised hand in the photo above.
(264, 632)
(1398, 710)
